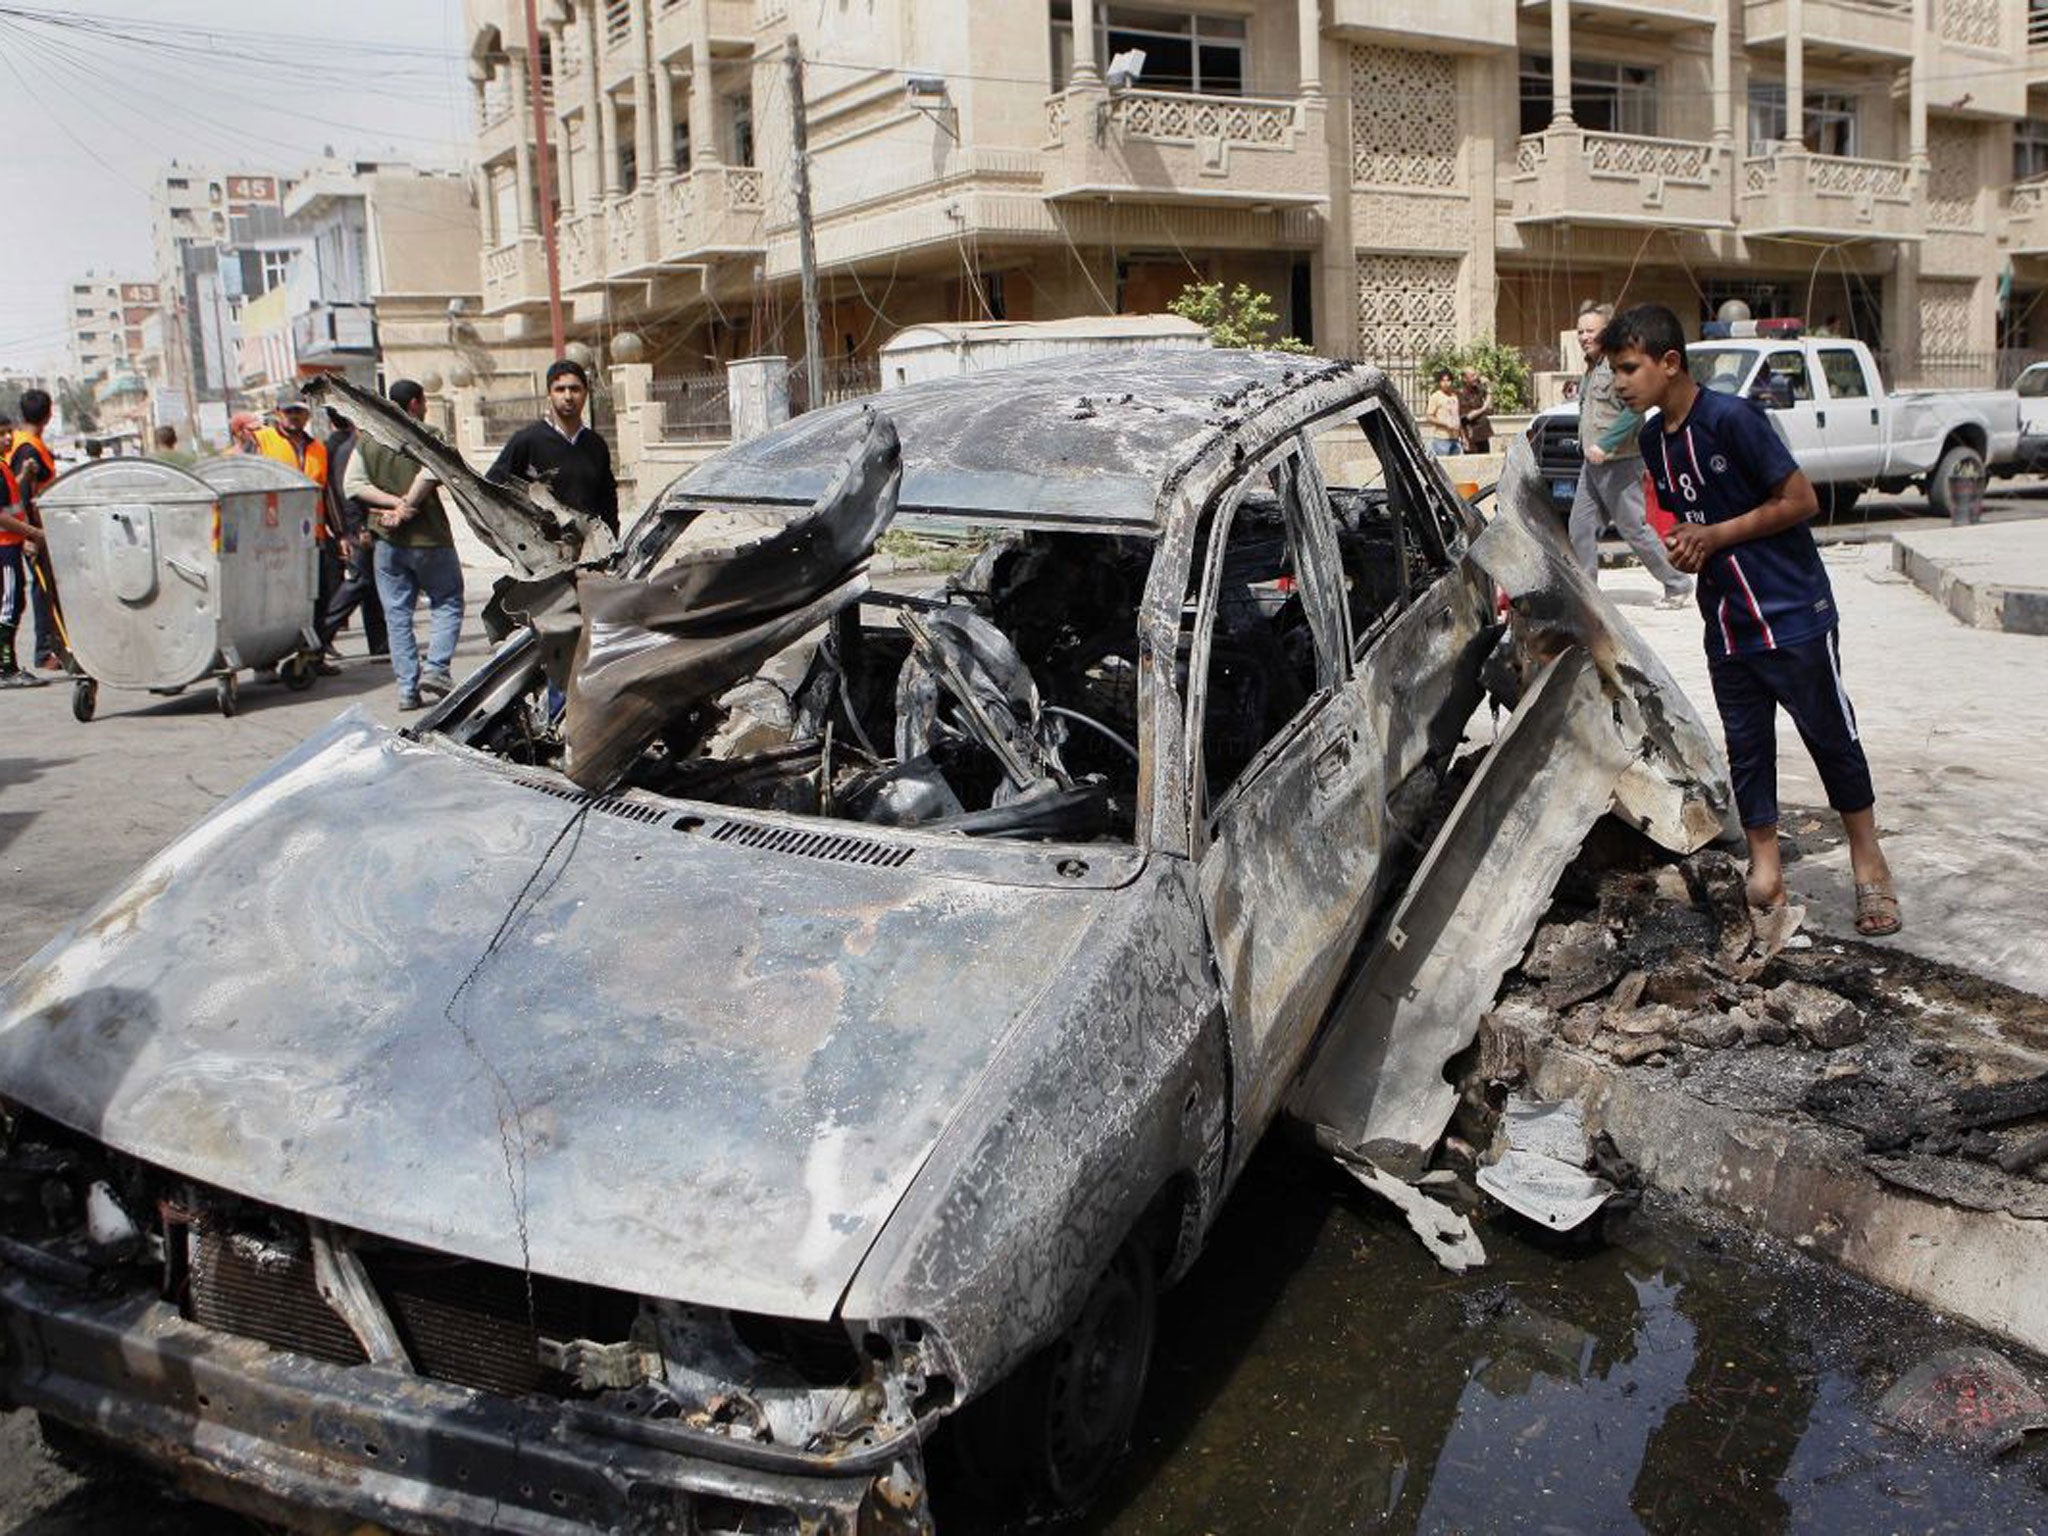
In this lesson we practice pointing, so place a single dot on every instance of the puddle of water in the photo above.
(1318, 1374)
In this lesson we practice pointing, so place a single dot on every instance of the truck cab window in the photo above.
(1844, 372)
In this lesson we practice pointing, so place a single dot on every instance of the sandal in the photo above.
(1877, 909)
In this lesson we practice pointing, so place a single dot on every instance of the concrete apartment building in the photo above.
(1393, 173)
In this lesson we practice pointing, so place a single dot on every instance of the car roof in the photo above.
(1086, 441)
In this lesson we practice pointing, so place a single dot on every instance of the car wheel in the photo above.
(1045, 1438)
(1957, 482)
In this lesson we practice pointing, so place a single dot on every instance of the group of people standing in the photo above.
(384, 538)
(1459, 414)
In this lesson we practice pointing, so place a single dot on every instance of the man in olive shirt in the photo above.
(1611, 483)
(415, 556)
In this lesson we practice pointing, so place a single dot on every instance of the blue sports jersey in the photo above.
(1724, 461)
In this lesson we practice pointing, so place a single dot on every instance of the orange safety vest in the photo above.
(30, 436)
(7, 535)
(273, 444)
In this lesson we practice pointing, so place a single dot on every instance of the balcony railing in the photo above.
(1569, 175)
(714, 208)
(1174, 117)
(1170, 145)
(330, 330)
(580, 242)
(2027, 217)
(515, 273)
(1798, 193)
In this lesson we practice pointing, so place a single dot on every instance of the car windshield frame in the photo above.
(1754, 357)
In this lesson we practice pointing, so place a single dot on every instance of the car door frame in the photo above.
(1283, 907)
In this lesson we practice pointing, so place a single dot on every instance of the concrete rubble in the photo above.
(1874, 1107)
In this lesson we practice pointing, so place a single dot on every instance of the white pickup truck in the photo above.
(1848, 433)
(1844, 428)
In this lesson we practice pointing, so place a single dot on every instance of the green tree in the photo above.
(1504, 366)
(1243, 317)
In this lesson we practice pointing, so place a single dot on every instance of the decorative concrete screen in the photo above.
(1944, 317)
(1404, 118)
(1406, 304)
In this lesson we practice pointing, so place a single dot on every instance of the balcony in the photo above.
(515, 274)
(1794, 194)
(675, 24)
(333, 334)
(1865, 28)
(629, 233)
(1171, 147)
(1449, 25)
(1636, 15)
(2026, 218)
(582, 249)
(714, 211)
(1569, 176)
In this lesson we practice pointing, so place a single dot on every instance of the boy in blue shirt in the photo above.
(1772, 633)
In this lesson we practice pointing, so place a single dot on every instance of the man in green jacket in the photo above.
(415, 556)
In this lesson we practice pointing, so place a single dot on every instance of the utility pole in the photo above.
(807, 252)
(544, 168)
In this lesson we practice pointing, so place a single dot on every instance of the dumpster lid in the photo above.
(250, 472)
(126, 480)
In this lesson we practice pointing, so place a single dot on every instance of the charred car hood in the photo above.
(391, 985)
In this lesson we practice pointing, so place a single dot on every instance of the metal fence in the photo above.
(508, 413)
(695, 407)
(845, 379)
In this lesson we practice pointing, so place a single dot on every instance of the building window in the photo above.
(629, 157)
(739, 117)
(277, 266)
(1829, 128)
(1184, 50)
(2030, 149)
(1606, 98)
(681, 141)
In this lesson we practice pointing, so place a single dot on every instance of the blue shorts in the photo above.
(1807, 680)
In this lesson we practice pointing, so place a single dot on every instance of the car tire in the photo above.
(1045, 1438)
(1958, 466)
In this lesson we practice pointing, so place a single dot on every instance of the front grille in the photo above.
(473, 1325)
(261, 1289)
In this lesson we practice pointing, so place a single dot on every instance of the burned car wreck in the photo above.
(767, 1015)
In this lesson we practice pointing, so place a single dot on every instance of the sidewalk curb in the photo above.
(1806, 1184)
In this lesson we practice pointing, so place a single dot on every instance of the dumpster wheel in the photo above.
(226, 696)
(296, 672)
(85, 698)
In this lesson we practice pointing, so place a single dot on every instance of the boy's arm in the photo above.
(1790, 503)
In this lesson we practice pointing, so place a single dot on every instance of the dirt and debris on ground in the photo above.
(1660, 966)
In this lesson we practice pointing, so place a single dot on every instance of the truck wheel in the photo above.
(1956, 488)
(85, 698)
(1046, 1437)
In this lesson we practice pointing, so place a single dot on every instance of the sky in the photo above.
(97, 96)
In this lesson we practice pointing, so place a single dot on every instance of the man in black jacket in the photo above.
(564, 451)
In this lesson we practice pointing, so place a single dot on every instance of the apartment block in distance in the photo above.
(1392, 173)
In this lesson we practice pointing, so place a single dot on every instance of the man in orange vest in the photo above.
(19, 539)
(34, 469)
(289, 441)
